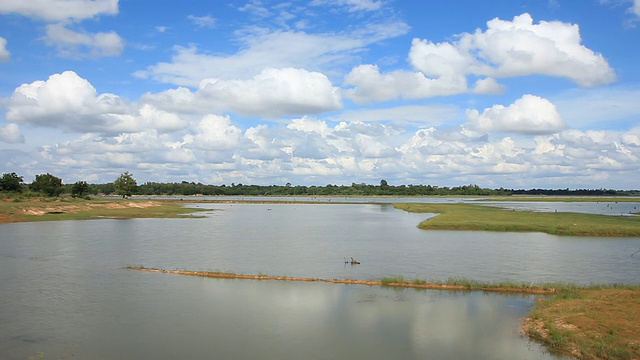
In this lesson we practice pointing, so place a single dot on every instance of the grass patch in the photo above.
(463, 216)
(594, 322)
(397, 279)
(82, 209)
(549, 198)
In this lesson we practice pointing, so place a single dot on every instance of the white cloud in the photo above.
(216, 133)
(206, 21)
(262, 143)
(351, 5)
(505, 49)
(488, 86)
(70, 43)
(4, 53)
(528, 115)
(636, 7)
(272, 92)
(260, 49)
(11, 134)
(439, 59)
(370, 85)
(276, 92)
(520, 47)
(68, 102)
(413, 114)
(59, 10)
(311, 151)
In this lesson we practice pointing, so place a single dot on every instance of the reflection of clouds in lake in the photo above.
(302, 320)
(473, 325)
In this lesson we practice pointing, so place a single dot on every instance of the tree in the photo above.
(11, 182)
(47, 184)
(79, 189)
(125, 185)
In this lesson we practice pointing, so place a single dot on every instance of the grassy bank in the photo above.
(463, 216)
(549, 198)
(394, 281)
(81, 209)
(589, 323)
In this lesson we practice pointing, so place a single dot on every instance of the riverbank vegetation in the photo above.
(464, 216)
(595, 322)
(126, 185)
(393, 281)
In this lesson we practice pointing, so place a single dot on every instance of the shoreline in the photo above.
(533, 290)
(585, 322)
(451, 216)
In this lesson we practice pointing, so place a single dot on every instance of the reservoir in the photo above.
(66, 293)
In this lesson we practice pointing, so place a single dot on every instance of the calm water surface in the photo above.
(65, 292)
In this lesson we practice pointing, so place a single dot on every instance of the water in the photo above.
(65, 292)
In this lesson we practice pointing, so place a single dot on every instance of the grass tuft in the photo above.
(397, 279)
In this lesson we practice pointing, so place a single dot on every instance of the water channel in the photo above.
(66, 293)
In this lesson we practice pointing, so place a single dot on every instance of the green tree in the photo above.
(79, 189)
(11, 182)
(125, 185)
(47, 184)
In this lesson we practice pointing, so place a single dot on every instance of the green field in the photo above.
(464, 216)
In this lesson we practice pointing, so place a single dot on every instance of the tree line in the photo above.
(126, 185)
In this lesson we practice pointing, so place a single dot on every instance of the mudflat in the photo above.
(79, 209)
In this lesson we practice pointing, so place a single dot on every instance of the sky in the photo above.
(497, 93)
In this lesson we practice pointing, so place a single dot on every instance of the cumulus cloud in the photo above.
(369, 85)
(488, 86)
(272, 92)
(636, 7)
(505, 49)
(260, 49)
(69, 102)
(520, 47)
(11, 134)
(4, 53)
(313, 151)
(62, 14)
(276, 92)
(530, 115)
(59, 10)
(215, 132)
(70, 43)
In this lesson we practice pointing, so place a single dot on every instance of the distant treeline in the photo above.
(362, 189)
(126, 185)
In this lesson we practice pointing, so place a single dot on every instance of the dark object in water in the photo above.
(352, 261)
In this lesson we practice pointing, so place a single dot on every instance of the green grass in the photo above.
(550, 198)
(463, 216)
(396, 279)
(590, 322)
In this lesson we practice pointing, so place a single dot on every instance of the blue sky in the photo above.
(509, 93)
